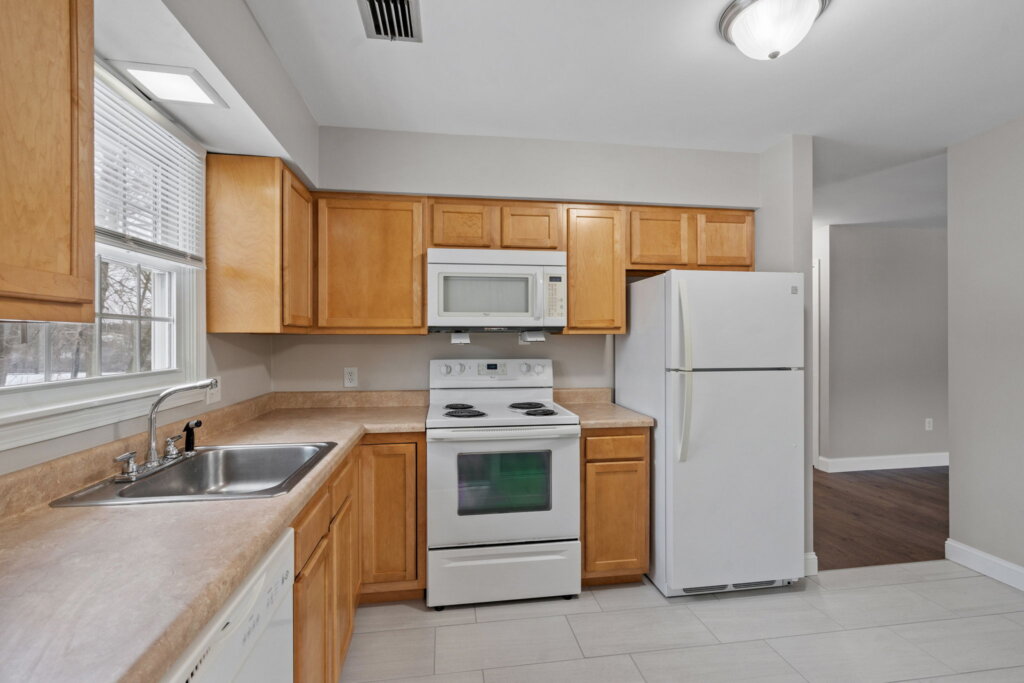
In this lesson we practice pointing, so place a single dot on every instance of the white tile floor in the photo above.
(927, 621)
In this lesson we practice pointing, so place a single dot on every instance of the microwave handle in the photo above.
(538, 312)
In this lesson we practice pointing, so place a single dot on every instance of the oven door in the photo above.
(502, 485)
(471, 296)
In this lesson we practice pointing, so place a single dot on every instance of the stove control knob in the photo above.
(538, 369)
(462, 368)
(524, 368)
(446, 369)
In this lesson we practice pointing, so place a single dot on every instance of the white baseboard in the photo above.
(996, 567)
(882, 462)
(810, 564)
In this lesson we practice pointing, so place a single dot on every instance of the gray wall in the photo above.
(886, 316)
(473, 165)
(986, 341)
(241, 361)
(387, 362)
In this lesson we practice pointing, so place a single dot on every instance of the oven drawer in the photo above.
(459, 576)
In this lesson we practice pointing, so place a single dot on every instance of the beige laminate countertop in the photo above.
(117, 593)
(605, 415)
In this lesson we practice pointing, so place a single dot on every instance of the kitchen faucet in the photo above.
(153, 459)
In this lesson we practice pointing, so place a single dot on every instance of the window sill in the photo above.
(42, 424)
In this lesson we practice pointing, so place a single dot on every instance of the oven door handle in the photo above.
(504, 433)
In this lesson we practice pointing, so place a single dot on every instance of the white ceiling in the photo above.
(880, 82)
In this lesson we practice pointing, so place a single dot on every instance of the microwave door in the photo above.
(493, 296)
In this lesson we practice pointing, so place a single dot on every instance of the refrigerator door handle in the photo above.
(684, 322)
(684, 438)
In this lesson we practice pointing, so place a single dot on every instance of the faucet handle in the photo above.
(170, 450)
(128, 466)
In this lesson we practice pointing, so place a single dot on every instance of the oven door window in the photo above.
(499, 483)
(480, 294)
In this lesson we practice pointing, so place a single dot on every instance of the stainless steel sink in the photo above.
(213, 473)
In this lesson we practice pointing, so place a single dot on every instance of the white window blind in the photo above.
(149, 184)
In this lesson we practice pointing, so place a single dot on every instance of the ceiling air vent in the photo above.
(392, 19)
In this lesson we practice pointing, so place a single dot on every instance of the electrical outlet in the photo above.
(213, 395)
(351, 377)
(928, 424)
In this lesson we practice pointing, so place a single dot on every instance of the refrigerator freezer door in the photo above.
(735, 503)
(735, 320)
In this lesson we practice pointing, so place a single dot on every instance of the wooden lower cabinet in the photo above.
(311, 604)
(325, 591)
(393, 513)
(615, 479)
(343, 567)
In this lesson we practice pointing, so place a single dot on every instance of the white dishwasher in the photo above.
(250, 639)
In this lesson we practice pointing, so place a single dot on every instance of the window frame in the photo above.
(38, 412)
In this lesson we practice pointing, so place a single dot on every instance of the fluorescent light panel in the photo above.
(172, 83)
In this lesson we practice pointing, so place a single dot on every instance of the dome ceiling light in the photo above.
(768, 29)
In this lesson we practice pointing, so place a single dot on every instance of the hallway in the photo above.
(880, 517)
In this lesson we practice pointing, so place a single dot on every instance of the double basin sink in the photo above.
(212, 473)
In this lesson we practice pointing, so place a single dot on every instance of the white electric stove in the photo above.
(503, 486)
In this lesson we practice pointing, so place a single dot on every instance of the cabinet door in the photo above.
(371, 265)
(297, 252)
(725, 238)
(343, 605)
(464, 225)
(311, 600)
(388, 512)
(597, 279)
(661, 237)
(532, 226)
(46, 160)
(616, 517)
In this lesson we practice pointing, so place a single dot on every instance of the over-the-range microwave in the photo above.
(495, 290)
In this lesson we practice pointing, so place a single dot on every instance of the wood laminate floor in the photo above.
(880, 517)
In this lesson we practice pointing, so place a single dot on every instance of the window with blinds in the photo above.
(149, 184)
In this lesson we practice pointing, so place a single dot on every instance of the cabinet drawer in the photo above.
(622, 447)
(343, 485)
(310, 526)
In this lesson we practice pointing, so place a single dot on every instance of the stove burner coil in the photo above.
(458, 406)
(540, 411)
(527, 405)
(465, 413)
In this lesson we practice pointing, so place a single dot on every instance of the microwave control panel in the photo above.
(555, 304)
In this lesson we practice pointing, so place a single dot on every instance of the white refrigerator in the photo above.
(716, 358)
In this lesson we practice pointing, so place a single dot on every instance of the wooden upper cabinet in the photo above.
(464, 225)
(46, 160)
(532, 226)
(259, 246)
(297, 251)
(725, 238)
(597, 278)
(662, 237)
(371, 265)
(492, 224)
